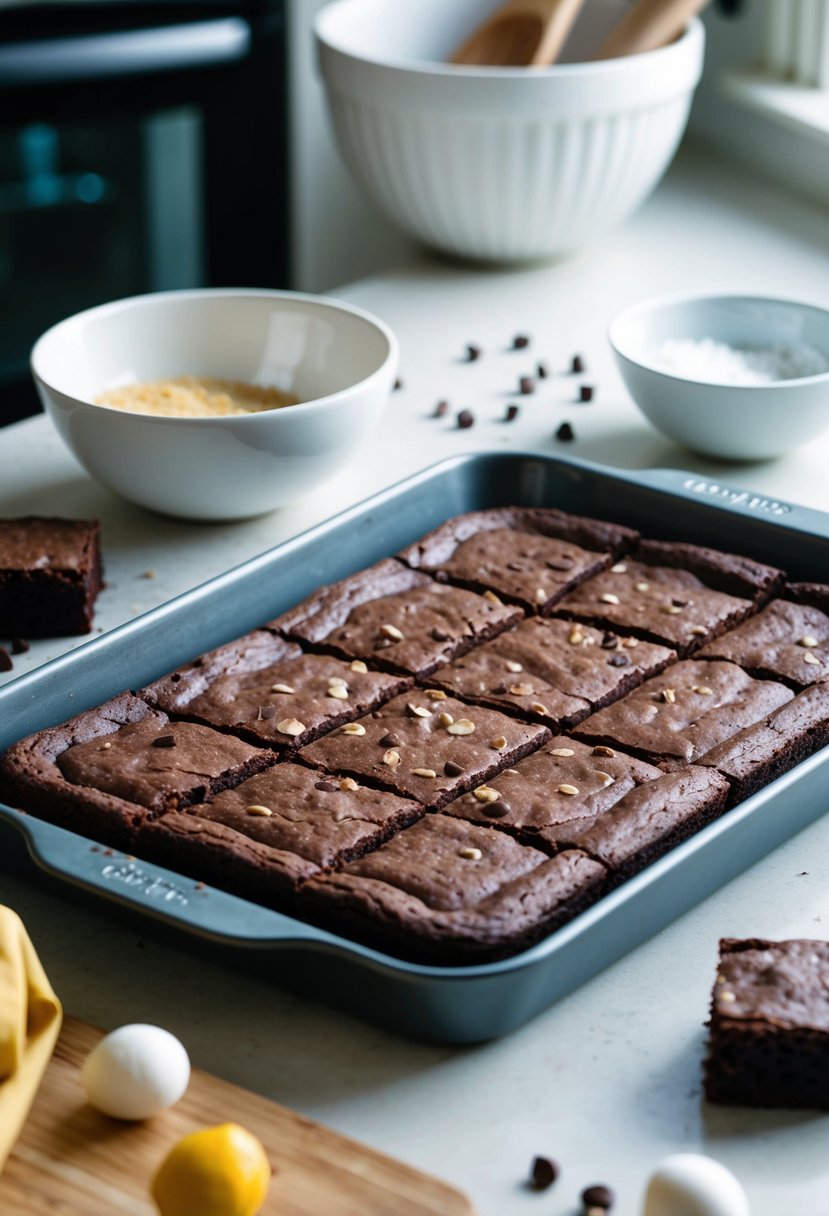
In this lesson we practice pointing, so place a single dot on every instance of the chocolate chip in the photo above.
(500, 690)
(451, 769)
(327, 787)
(465, 420)
(164, 741)
(565, 433)
(541, 371)
(680, 603)
(390, 740)
(5, 659)
(598, 1197)
(441, 409)
(618, 660)
(585, 392)
(576, 365)
(473, 353)
(609, 641)
(266, 712)
(512, 413)
(526, 385)
(496, 810)
(438, 635)
(175, 677)
(20, 646)
(520, 342)
(543, 1172)
(398, 384)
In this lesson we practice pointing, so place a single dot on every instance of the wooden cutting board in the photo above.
(72, 1161)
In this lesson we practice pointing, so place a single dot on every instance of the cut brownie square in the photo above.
(105, 771)
(267, 690)
(788, 640)
(401, 620)
(450, 892)
(769, 1027)
(262, 837)
(680, 715)
(760, 753)
(530, 556)
(677, 594)
(427, 748)
(50, 576)
(551, 671)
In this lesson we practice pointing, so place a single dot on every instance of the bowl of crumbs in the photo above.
(733, 376)
(215, 404)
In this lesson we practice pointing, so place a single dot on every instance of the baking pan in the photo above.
(444, 1004)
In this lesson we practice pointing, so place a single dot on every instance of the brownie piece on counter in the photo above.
(552, 671)
(396, 618)
(283, 825)
(680, 715)
(426, 746)
(448, 892)
(760, 753)
(267, 690)
(531, 556)
(50, 576)
(679, 595)
(769, 1028)
(788, 640)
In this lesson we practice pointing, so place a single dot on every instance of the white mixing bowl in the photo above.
(500, 163)
(340, 361)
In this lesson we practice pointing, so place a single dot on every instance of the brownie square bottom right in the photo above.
(769, 1026)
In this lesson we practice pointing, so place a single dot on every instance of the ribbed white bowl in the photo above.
(499, 163)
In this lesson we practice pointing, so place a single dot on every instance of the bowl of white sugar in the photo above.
(733, 376)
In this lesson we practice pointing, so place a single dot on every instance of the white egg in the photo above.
(136, 1072)
(688, 1184)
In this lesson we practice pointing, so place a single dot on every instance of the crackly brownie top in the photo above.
(38, 544)
(397, 617)
(774, 985)
(530, 555)
(565, 781)
(155, 762)
(267, 687)
(786, 639)
(425, 747)
(295, 809)
(681, 714)
(553, 668)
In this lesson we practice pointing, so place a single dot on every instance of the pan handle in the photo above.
(696, 487)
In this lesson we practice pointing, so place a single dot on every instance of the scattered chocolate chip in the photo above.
(526, 385)
(496, 810)
(598, 1197)
(541, 371)
(20, 646)
(441, 409)
(565, 433)
(473, 353)
(164, 741)
(5, 659)
(451, 769)
(500, 690)
(398, 383)
(175, 677)
(585, 392)
(466, 419)
(438, 635)
(266, 712)
(679, 603)
(327, 787)
(619, 660)
(577, 365)
(543, 1172)
(520, 342)
(609, 641)
(390, 740)
(512, 413)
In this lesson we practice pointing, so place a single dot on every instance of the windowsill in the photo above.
(797, 107)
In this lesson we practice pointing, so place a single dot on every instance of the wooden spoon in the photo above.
(648, 25)
(521, 33)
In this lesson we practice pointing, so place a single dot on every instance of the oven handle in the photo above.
(58, 61)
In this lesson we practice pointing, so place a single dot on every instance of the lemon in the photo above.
(220, 1171)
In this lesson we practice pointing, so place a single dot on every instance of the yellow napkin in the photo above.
(30, 1018)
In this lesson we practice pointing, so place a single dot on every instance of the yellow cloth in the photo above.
(30, 1019)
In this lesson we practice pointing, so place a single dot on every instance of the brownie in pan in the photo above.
(426, 746)
(679, 716)
(446, 891)
(676, 594)
(396, 618)
(530, 556)
(788, 640)
(769, 1028)
(269, 691)
(552, 671)
(107, 770)
(264, 836)
(50, 576)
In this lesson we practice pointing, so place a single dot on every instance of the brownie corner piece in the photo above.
(50, 576)
(731, 573)
(768, 1040)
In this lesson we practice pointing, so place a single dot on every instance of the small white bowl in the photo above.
(730, 421)
(500, 163)
(340, 361)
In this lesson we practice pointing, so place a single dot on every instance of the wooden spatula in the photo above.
(521, 33)
(648, 25)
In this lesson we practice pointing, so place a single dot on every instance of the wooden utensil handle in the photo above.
(648, 25)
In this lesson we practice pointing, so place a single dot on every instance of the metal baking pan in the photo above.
(444, 1004)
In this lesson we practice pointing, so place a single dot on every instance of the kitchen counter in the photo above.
(608, 1081)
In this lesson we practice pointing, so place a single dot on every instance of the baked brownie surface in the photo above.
(50, 576)
(680, 715)
(788, 641)
(269, 691)
(448, 891)
(400, 619)
(552, 671)
(429, 749)
(769, 1027)
(532, 556)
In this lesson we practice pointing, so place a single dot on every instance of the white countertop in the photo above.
(608, 1081)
